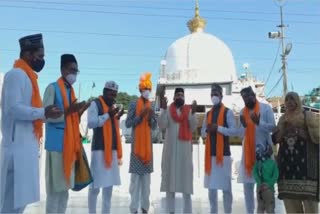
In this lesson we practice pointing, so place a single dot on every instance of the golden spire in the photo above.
(197, 23)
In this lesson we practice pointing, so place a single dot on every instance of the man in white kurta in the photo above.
(103, 176)
(177, 164)
(19, 176)
(218, 176)
(264, 124)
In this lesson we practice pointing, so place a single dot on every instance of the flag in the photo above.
(93, 85)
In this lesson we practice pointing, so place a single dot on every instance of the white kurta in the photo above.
(220, 176)
(176, 165)
(263, 136)
(102, 176)
(18, 140)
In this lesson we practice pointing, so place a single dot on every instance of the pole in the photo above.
(283, 56)
(199, 158)
(79, 91)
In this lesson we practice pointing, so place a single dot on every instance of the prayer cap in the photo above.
(112, 85)
(67, 58)
(31, 42)
(247, 90)
(177, 90)
(216, 87)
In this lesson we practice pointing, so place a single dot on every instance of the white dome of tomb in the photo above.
(199, 58)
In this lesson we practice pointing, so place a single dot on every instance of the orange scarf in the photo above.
(142, 145)
(185, 133)
(71, 141)
(219, 140)
(36, 101)
(107, 136)
(250, 139)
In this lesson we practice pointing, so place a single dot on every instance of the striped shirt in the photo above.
(136, 165)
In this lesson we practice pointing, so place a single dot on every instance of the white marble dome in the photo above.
(198, 58)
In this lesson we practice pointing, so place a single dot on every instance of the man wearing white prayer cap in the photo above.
(106, 147)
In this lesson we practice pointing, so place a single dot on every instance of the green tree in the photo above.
(125, 99)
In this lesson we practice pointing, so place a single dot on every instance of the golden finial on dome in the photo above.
(197, 23)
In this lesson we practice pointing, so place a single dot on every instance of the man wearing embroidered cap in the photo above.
(257, 123)
(22, 122)
(106, 155)
(62, 136)
(177, 165)
(142, 119)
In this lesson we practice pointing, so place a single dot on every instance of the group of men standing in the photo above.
(23, 114)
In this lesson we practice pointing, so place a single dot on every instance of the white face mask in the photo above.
(71, 78)
(215, 100)
(146, 94)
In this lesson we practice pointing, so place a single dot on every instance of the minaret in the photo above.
(197, 24)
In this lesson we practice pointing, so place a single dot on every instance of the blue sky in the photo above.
(118, 40)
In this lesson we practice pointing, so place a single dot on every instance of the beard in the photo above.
(250, 104)
(179, 102)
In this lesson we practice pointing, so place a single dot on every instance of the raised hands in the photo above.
(77, 107)
(53, 112)
(255, 118)
(120, 113)
(212, 128)
(113, 111)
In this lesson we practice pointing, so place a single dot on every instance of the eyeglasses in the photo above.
(73, 71)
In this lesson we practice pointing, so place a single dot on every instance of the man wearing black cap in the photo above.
(177, 165)
(59, 173)
(22, 120)
(217, 126)
(257, 122)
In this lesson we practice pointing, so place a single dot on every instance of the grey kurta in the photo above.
(136, 165)
(176, 165)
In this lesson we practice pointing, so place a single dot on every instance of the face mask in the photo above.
(37, 64)
(179, 102)
(109, 102)
(250, 104)
(71, 78)
(146, 94)
(215, 100)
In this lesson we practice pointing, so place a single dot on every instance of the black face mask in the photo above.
(37, 64)
(250, 104)
(179, 102)
(109, 102)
